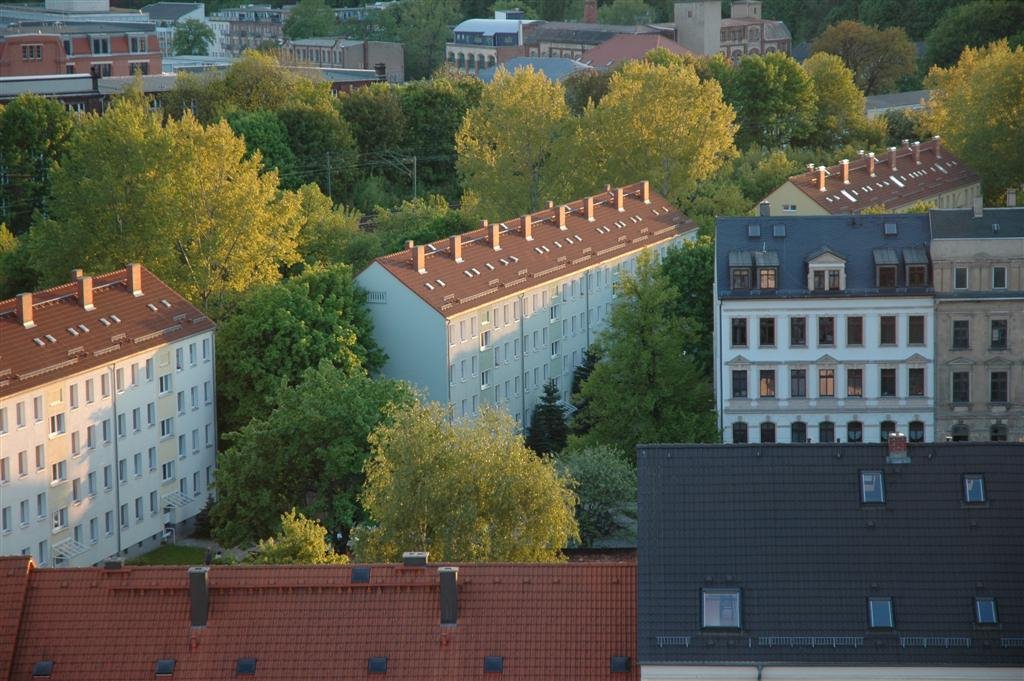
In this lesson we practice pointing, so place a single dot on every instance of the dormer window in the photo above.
(741, 278)
(886, 263)
(767, 278)
(740, 270)
(767, 263)
(917, 276)
(826, 271)
(886, 276)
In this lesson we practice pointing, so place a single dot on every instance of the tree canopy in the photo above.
(774, 99)
(464, 490)
(878, 58)
(423, 28)
(606, 486)
(310, 19)
(192, 37)
(548, 431)
(301, 540)
(840, 110)
(974, 25)
(690, 268)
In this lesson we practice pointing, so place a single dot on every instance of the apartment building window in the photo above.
(60, 519)
(5, 520)
(154, 502)
(122, 425)
(124, 515)
(997, 432)
(108, 482)
(767, 432)
(999, 387)
(767, 277)
(137, 43)
(165, 384)
(31, 52)
(181, 401)
(151, 414)
(915, 382)
(854, 431)
(854, 331)
(119, 380)
(91, 483)
(94, 530)
(739, 332)
(826, 432)
(917, 276)
(554, 348)
(886, 276)
(137, 464)
(960, 278)
(41, 505)
(122, 471)
(58, 472)
(739, 432)
(37, 410)
(999, 333)
(887, 382)
(149, 369)
(887, 330)
(885, 429)
(740, 278)
(855, 383)
(152, 458)
(766, 332)
(739, 383)
(826, 382)
(108, 523)
(195, 440)
(23, 513)
(961, 334)
(915, 330)
(798, 432)
(105, 428)
(76, 490)
(998, 277)
(766, 383)
(73, 395)
(195, 484)
(105, 385)
(167, 428)
(797, 332)
(826, 331)
(136, 419)
(916, 431)
(139, 512)
(100, 45)
(90, 391)
(206, 349)
(798, 383)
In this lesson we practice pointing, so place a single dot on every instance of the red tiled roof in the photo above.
(548, 622)
(14, 573)
(486, 275)
(29, 358)
(626, 46)
(937, 173)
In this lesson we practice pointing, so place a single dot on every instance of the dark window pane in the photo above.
(917, 276)
(960, 433)
(961, 386)
(886, 428)
(798, 331)
(887, 330)
(739, 383)
(819, 280)
(998, 432)
(999, 332)
(998, 277)
(766, 328)
(826, 331)
(961, 334)
(998, 387)
(917, 431)
(833, 280)
(915, 330)
(798, 432)
(854, 431)
(826, 382)
(740, 278)
(798, 383)
(767, 432)
(739, 432)
(916, 388)
(826, 432)
(739, 332)
(855, 383)
(854, 331)
(886, 277)
(888, 383)
(959, 277)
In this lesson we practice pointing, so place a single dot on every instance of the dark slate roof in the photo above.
(579, 33)
(556, 69)
(170, 11)
(855, 237)
(961, 223)
(784, 524)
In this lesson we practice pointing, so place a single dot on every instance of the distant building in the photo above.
(556, 69)
(569, 39)
(904, 176)
(248, 27)
(626, 47)
(978, 259)
(168, 15)
(699, 27)
(364, 12)
(387, 59)
(488, 317)
(484, 43)
(112, 49)
(830, 562)
(108, 430)
(878, 105)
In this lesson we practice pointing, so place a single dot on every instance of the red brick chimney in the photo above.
(938, 146)
(897, 450)
(76, 274)
(892, 159)
(456, 247)
(589, 11)
(135, 278)
(528, 227)
(25, 310)
(645, 192)
(916, 146)
(589, 203)
(845, 163)
(562, 212)
(821, 178)
(85, 293)
(494, 235)
(871, 164)
(421, 259)
(620, 200)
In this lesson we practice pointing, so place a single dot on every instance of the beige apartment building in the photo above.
(107, 418)
(489, 316)
(978, 260)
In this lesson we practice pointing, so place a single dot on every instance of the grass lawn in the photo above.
(168, 554)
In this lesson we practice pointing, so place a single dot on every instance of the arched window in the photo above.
(826, 432)
(451, 57)
(885, 429)
(739, 432)
(798, 432)
(470, 62)
(855, 431)
(960, 433)
(490, 61)
(767, 432)
(916, 431)
(462, 60)
(997, 433)
(754, 50)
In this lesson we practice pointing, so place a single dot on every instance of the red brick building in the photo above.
(115, 49)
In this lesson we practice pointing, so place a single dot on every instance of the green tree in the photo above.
(690, 268)
(507, 138)
(581, 421)
(323, 146)
(301, 540)
(306, 452)
(330, 234)
(278, 331)
(548, 431)
(840, 115)
(34, 132)
(972, 25)
(16, 274)
(976, 106)
(626, 13)
(916, 16)
(903, 125)
(878, 58)
(192, 37)
(310, 19)
(586, 86)
(634, 391)
(263, 131)
(606, 486)
(774, 100)
(182, 198)
(424, 26)
(464, 490)
(375, 117)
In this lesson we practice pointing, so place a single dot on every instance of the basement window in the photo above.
(42, 669)
(985, 611)
(494, 663)
(377, 665)
(880, 613)
(620, 664)
(165, 667)
(872, 488)
(246, 666)
(721, 608)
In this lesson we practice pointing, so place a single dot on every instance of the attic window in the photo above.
(721, 608)
(494, 663)
(872, 488)
(779, 230)
(246, 666)
(889, 229)
(42, 669)
(880, 613)
(974, 488)
(754, 231)
(620, 663)
(985, 611)
(377, 665)
(360, 575)
(887, 276)
(741, 278)
(165, 667)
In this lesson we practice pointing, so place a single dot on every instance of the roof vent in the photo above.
(415, 558)
(42, 669)
(897, 449)
(360, 575)
(246, 666)
(494, 663)
(754, 230)
(620, 663)
(377, 665)
(165, 667)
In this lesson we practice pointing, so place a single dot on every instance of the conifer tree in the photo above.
(548, 430)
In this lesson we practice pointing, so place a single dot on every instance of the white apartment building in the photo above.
(107, 417)
(824, 329)
(488, 317)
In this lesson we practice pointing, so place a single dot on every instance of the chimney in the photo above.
(871, 164)
(938, 146)
(449, 595)
(456, 247)
(76, 274)
(1011, 197)
(415, 558)
(495, 235)
(562, 212)
(421, 259)
(821, 178)
(645, 192)
(135, 278)
(897, 449)
(25, 310)
(410, 244)
(608, 188)
(845, 163)
(892, 159)
(978, 207)
(199, 595)
(85, 293)
(589, 11)
(528, 227)
(810, 171)
(916, 146)
(860, 153)
(620, 200)
(589, 203)
(551, 204)
(764, 209)
(905, 143)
